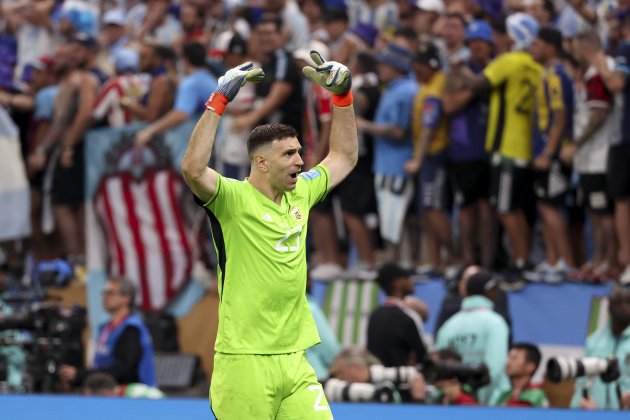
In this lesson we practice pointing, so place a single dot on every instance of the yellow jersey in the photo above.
(428, 112)
(515, 78)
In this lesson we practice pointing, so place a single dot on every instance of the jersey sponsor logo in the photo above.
(295, 212)
(310, 175)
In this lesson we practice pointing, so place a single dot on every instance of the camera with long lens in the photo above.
(473, 376)
(566, 368)
(50, 335)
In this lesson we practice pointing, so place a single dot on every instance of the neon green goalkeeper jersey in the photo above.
(261, 247)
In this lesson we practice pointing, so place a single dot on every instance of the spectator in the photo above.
(313, 10)
(105, 385)
(158, 100)
(294, 25)
(391, 130)
(381, 14)
(279, 96)
(124, 347)
(479, 334)
(356, 192)
(618, 175)
(64, 143)
(158, 25)
(427, 16)
(469, 166)
(430, 135)
(231, 155)
(553, 126)
(191, 94)
(192, 18)
(113, 33)
(523, 361)
(454, 35)
(344, 44)
(512, 78)
(541, 10)
(395, 332)
(86, 46)
(612, 339)
(596, 122)
(127, 84)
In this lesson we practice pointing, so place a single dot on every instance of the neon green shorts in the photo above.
(261, 387)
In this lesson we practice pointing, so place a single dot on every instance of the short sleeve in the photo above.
(556, 98)
(187, 99)
(226, 198)
(44, 105)
(432, 113)
(499, 70)
(597, 95)
(314, 184)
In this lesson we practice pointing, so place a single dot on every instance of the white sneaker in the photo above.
(362, 271)
(624, 279)
(538, 273)
(327, 271)
(556, 273)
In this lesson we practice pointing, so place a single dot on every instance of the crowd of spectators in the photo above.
(489, 130)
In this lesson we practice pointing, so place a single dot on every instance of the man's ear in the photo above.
(261, 163)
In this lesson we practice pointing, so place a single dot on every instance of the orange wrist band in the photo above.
(217, 103)
(342, 100)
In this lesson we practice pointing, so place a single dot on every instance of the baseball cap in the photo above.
(336, 14)
(436, 6)
(428, 54)
(86, 40)
(479, 30)
(390, 272)
(396, 56)
(522, 29)
(481, 282)
(125, 59)
(114, 17)
(366, 32)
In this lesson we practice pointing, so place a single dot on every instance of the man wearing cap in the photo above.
(553, 126)
(430, 137)
(479, 334)
(395, 331)
(393, 145)
(512, 78)
(469, 167)
(429, 11)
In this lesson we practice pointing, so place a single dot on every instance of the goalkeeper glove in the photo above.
(229, 85)
(332, 76)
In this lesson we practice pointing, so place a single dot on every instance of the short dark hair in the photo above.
(165, 52)
(268, 133)
(195, 54)
(367, 62)
(98, 382)
(126, 287)
(532, 353)
(271, 18)
(589, 36)
(458, 16)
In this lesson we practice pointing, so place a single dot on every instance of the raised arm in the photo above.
(344, 145)
(201, 179)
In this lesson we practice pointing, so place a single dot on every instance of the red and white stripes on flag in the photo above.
(145, 232)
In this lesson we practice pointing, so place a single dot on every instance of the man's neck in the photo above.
(265, 188)
(519, 383)
(120, 314)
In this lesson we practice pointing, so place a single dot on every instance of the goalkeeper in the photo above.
(259, 231)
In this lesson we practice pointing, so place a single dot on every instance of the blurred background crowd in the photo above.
(493, 134)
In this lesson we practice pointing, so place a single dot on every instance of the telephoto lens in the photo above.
(566, 368)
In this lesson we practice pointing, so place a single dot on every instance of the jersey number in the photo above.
(290, 242)
(320, 394)
(525, 103)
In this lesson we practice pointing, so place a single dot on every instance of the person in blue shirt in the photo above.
(124, 348)
(479, 334)
(393, 146)
(191, 95)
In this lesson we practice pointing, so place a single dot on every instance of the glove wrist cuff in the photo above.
(342, 100)
(217, 103)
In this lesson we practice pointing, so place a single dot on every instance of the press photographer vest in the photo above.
(105, 349)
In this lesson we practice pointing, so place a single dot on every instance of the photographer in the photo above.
(613, 339)
(523, 361)
(479, 334)
(124, 347)
(357, 376)
(451, 390)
